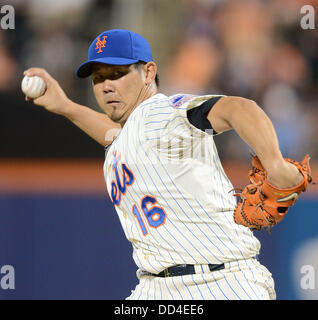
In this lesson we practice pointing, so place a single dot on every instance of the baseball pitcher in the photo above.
(191, 238)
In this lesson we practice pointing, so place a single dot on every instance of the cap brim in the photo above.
(85, 69)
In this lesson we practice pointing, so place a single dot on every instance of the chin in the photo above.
(116, 117)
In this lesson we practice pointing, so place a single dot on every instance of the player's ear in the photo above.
(150, 69)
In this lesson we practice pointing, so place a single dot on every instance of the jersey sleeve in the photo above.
(198, 116)
(167, 127)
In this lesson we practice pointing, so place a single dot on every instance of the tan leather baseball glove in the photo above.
(263, 205)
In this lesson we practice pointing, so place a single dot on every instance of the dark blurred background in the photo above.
(254, 49)
(50, 171)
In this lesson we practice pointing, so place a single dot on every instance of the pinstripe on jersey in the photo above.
(170, 191)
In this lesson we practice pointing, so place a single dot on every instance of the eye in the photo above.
(98, 79)
(117, 74)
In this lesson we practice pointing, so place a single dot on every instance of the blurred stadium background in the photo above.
(57, 226)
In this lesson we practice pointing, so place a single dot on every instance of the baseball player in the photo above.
(190, 238)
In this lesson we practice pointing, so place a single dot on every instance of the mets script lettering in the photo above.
(119, 185)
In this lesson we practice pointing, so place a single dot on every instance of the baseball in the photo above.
(33, 87)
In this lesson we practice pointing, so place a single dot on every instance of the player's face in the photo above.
(118, 89)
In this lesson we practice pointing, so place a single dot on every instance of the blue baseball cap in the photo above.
(115, 47)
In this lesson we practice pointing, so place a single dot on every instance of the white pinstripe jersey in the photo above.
(173, 199)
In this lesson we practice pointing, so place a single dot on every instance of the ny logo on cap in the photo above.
(100, 44)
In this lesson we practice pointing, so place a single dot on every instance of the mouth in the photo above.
(113, 102)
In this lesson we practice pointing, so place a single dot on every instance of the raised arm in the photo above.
(256, 129)
(97, 125)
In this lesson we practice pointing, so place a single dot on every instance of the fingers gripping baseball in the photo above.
(53, 98)
(264, 205)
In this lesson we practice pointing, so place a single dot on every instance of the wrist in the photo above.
(69, 109)
(284, 175)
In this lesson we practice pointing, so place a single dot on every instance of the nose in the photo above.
(108, 86)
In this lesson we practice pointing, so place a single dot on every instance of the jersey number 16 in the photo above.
(154, 215)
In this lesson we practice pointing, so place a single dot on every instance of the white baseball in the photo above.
(33, 87)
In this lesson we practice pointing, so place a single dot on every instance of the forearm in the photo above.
(256, 129)
(95, 124)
